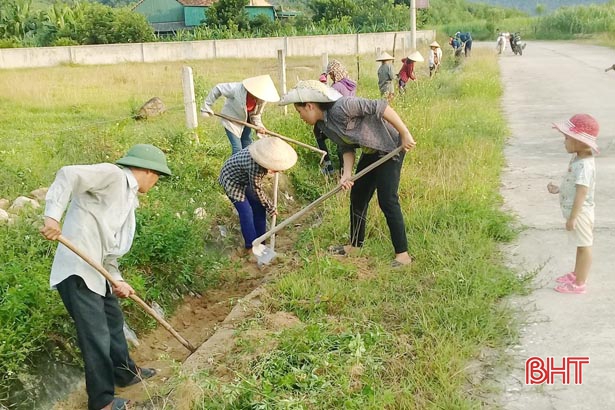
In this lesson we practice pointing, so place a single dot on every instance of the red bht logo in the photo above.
(539, 371)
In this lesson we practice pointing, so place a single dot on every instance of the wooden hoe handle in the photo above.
(134, 297)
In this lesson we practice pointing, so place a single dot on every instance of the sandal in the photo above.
(119, 404)
(570, 288)
(142, 374)
(337, 250)
(567, 278)
(397, 264)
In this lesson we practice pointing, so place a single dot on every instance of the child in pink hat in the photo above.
(576, 196)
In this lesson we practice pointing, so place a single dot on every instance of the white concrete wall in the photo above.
(342, 44)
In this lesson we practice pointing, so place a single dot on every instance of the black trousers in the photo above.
(385, 180)
(99, 322)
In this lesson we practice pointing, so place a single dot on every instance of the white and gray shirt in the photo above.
(100, 220)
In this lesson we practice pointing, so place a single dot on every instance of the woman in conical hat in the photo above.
(386, 75)
(244, 101)
(407, 69)
(373, 126)
(242, 176)
(435, 57)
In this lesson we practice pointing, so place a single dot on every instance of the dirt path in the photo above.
(552, 81)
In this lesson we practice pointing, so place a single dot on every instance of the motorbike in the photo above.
(516, 44)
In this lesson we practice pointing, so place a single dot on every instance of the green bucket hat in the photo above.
(146, 156)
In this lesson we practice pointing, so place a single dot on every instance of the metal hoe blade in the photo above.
(264, 254)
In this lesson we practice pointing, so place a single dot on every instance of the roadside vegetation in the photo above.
(409, 334)
(73, 22)
(372, 337)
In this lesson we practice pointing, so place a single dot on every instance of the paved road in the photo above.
(550, 82)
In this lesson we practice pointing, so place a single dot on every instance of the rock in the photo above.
(152, 108)
(39, 194)
(4, 204)
(22, 202)
(4, 216)
(200, 213)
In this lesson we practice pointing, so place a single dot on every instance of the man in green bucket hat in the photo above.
(100, 220)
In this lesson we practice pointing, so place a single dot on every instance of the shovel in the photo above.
(134, 297)
(271, 250)
(274, 134)
(265, 254)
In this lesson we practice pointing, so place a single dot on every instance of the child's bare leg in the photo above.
(583, 263)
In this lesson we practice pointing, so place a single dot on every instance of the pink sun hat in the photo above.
(581, 127)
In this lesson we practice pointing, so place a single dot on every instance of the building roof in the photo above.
(203, 3)
(207, 3)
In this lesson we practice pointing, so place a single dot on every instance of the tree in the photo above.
(95, 23)
(17, 20)
(332, 10)
(228, 13)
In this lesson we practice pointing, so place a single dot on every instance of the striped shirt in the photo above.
(241, 171)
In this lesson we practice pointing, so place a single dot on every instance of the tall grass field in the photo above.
(368, 336)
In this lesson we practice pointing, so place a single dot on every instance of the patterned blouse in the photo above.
(241, 171)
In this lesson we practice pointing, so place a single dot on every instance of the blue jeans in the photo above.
(252, 217)
(238, 144)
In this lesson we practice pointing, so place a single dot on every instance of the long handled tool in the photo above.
(137, 299)
(265, 254)
(276, 180)
(610, 68)
(274, 134)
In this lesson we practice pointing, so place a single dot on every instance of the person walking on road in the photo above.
(373, 126)
(576, 195)
(101, 201)
(245, 101)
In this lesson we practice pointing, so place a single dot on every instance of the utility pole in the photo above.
(413, 25)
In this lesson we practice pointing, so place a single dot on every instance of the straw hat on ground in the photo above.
(416, 56)
(434, 44)
(581, 127)
(262, 87)
(385, 57)
(273, 153)
(310, 91)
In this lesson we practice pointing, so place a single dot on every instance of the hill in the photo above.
(530, 6)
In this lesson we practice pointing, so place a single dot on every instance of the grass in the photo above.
(371, 337)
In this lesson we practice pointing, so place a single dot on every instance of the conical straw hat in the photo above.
(273, 153)
(310, 91)
(434, 44)
(416, 56)
(262, 87)
(385, 57)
